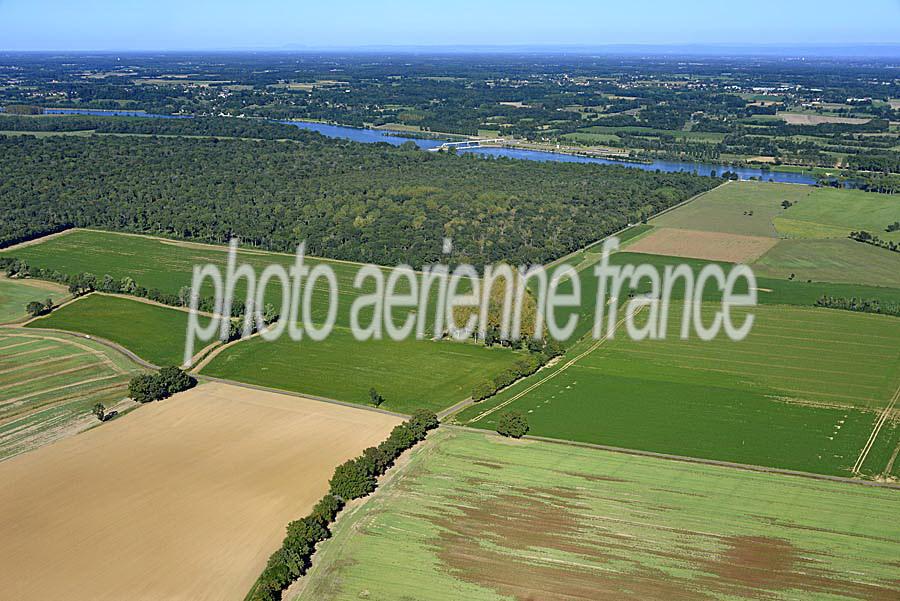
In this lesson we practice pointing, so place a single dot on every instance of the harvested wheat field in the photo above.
(695, 244)
(183, 499)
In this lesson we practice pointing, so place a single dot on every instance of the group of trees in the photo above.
(353, 479)
(860, 305)
(145, 388)
(363, 202)
(38, 308)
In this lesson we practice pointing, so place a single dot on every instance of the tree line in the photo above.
(351, 480)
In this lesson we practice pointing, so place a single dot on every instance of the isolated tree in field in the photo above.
(512, 424)
(99, 411)
(35, 308)
(375, 398)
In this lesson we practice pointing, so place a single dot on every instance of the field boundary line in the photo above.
(564, 367)
(311, 397)
(879, 423)
(687, 459)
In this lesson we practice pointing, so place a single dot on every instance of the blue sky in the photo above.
(269, 24)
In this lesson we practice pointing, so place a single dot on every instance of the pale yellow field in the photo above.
(806, 119)
(695, 244)
(183, 499)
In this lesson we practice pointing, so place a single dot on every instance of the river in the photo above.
(397, 138)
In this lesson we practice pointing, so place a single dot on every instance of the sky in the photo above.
(306, 24)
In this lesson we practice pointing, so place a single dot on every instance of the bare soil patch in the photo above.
(180, 500)
(696, 244)
(804, 119)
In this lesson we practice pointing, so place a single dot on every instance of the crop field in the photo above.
(152, 332)
(15, 294)
(180, 499)
(804, 391)
(835, 260)
(481, 518)
(49, 383)
(409, 374)
(697, 244)
(814, 213)
(167, 265)
(813, 231)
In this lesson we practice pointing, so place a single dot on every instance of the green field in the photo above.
(48, 384)
(410, 374)
(16, 293)
(814, 229)
(481, 518)
(816, 212)
(801, 392)
(834, 260)
(167, 265)
(152, 332)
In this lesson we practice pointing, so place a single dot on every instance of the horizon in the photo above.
(273, 26)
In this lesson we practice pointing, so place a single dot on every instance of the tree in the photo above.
(375, 398)
(36, 308)
(352, 480)
(99, 411)
(512, 424)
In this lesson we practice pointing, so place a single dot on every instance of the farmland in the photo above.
(802, 392)
(152, 332)
(182, 499)
(50, 382)
(476, 517)
(15, 294)
(409, 374)
(812, 231)
(725, 209)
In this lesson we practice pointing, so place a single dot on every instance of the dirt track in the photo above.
(183, 499)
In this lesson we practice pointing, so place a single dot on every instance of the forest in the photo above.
(362, 202)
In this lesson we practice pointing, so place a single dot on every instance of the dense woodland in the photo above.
(348, 200)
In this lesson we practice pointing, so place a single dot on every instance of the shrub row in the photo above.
(83, 283)
(163, 384)
(353, 479)
(523, 367)
(860, 305)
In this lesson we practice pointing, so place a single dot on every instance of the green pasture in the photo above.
(152, 332)
(409, 374)
(801, 392)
